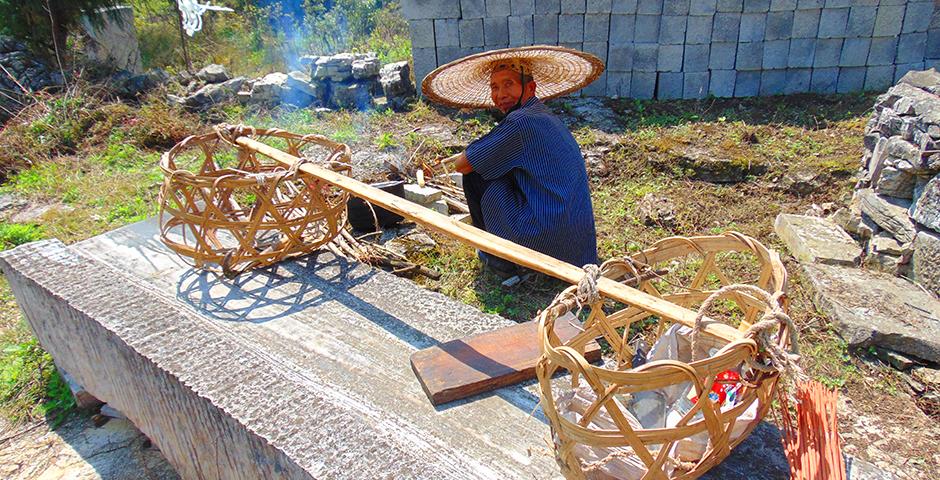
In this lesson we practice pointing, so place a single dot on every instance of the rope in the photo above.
(587, 292)
(774, 317)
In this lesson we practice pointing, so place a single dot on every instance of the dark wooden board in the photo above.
(487, 361)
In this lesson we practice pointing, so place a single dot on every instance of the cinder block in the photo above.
(832, 22)
(621, 28)
(798, 81)
(828, 53)
(879, 77)
(746, 84)
(496, 31)
(699, 29)
(571, 28)
(756, 6)
(642, 85)
(649, 7)
(670, 58)
(618, 84)
(752, 27)
(546, 7)
(933, 44)
(695, 85)
(647, 28)
(730, 6)
(703, 7)
(806, 23)
(598, 88)
(573, 46)
(520, 31)
(598, 49)
(933, 63)
(801, 54)
(861, 21)
(782, 5)
(776, 54)
(623, 6)
(471, 32)
(840, 3)
(854, 52)
(545, 29)
(902, 69)
(824, 80)
(598, 6)
(773, 82)
(779, 26)
(430, 9)
(446, 32)
(917, 17)
(750, 56)
(669, 86)
(425, 60)
(620, 57)
(573, 6)
(695, 58)
(472, 9)
(422, 33)
(497, 8)
(911, 47)
(809, 4)
(596, 27)
(448, 54)
(725, 27)
(889, 20)
(646, 57)
(672, 29)
(522, 7)
(851, 79)
(882, 51)
(675, 7)
(721, 83)
(722, 56)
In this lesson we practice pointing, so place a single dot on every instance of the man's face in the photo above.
(505, 89)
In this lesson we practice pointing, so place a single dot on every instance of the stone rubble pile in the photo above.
(896, 205)
(342, 81)
(30, 73)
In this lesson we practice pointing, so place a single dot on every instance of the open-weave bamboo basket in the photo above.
(230, 209)
(602, 439)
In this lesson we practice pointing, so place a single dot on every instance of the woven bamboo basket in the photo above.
(595, 431)
(230, 209)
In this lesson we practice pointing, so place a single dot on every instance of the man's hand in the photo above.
(456, 163)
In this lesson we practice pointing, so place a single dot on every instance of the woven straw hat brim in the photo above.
(465, 83)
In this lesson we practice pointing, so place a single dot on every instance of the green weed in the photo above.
(30, 386)
(13, 234)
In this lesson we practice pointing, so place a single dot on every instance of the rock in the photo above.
(214, 93)
(869, 308)
(889, 213)
(895, 359)
(269, 89)
(111, 412)
(847, 218)
(881, 262)
(111, 39)
(867, 228)
(213, 73)
(352, 96)
(439, 206)
(927, 375)
(366, 68)
(814, 239)
(894, 182)
(702, 165)
(411, 243)
(422, 195)
(897, 147)
(802, 182)
(926, 260)
(885, 243)
(83, 399)
(923, 79)
(35, 212)
(657, 210)
(395, 79)
(927, 210)
(337, 68)
(462, 218)
(298, 80)
(309, 62)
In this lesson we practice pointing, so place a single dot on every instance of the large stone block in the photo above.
(926, 260)
(750, 56)
(825, 80)
(703, 7)
(773, 82)
(471, 32)
(596, 27)
(623, 6)
(496, 31)
(649, 7)
(618, 84)
(879, 78)
(798, 80)
(598, 6)
(851, 79)
(933, 44)
(802, 52)
(425, 60)
(646, 57)
(746, 84)
(779, 26)
(902, 69)
(695, 84)
(721, 83)
(670, 60)
(726, 27)
(472, 9)
(810, 4)
(828, 52)
(430, 9)
(672, 29)
(422, 33)
(642, 85)
(520, 31)
(816, 240)
(753, 26)
(620, 57)
(776, 54)
(782, 5)
(545, 29)
(675, 7)
(927, 210)
(622, 28)
(670, 85)
(882, 51)
(732, 6)
(522, 7)
(722, 56)
(598, 88)
(756, 6)
(573, 6)
(889, 20)
(890, 214)
(498, 8)
(446, 32)
(861, 21)
(598, 49)
(546, 7)
(448, 54)
(571, 28)
(854, 52)
(917, 16)
(647, 29)
(832, 22)
(806, 23)
(695, 59)
(911, 47)
(699, 30)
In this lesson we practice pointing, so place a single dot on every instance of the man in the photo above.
(525, 180)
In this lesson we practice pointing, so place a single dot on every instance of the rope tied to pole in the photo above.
(588, 292)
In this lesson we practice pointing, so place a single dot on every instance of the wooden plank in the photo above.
(480, 363)
(495, 245)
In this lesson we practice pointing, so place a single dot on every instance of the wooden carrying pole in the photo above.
(494, 245)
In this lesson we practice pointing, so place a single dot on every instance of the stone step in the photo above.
(816, 240)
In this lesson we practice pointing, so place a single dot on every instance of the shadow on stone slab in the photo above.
(760, 455)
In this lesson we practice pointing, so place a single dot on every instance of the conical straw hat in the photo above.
(465, 83)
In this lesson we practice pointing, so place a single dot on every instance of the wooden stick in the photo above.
(495, 245)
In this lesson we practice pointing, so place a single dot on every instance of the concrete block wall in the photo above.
(695, 48)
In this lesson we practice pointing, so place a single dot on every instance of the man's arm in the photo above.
(459, 162)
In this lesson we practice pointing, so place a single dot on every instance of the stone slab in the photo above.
(926, 260)
(889, 213)
(927, 210)
(816, 240)
(869, 308)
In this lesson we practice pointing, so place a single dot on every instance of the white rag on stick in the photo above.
(192, 14)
